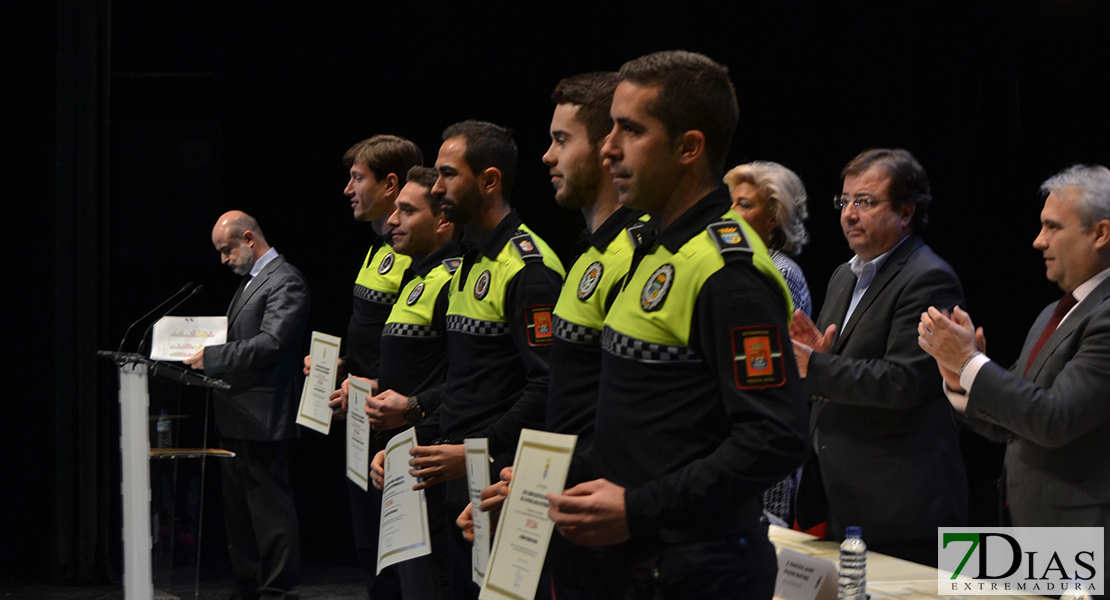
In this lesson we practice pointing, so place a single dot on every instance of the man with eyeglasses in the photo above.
(880, 425)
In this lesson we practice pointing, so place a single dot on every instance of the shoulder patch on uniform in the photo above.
(729, 238)
(638, 232)
(589, 281)
(386, 264)
(414, 295)
(540, 330)
(757, 357)
(526, 246)
(452, 265)
(656, 288)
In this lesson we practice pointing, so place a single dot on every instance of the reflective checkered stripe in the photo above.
(629, 347)
(366, 293)
(410, 330)
(573, 332)
(476, 327)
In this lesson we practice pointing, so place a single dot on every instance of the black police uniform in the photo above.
(700, 407)
(413, 359)
(375, 292)
(499, 331)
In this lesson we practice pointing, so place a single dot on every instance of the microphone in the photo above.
(184, 288)
(142, 343)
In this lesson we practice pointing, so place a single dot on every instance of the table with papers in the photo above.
(887, 577)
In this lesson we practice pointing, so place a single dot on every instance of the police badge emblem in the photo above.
(758, 361)
(386, 264)
(452, 264)
(656, 288)
(729, 238)
(730, 235)
(526, 245)
(589, 281)
(414, 295)
(540, 327)
(481, 287)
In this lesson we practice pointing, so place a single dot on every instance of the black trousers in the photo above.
(261, 520)
(366, 514)
(742, 567)
(456, 497)
(428, 577)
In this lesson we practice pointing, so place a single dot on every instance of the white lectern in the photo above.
(134, 401)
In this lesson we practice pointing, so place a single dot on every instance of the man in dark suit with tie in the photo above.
(1051, 408)
(266, 329)
(883, 433)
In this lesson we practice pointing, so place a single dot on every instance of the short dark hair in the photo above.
(908, 182)
(487, 145)
(385, 154)
(592, 93)
(695, 93)
(425, 177)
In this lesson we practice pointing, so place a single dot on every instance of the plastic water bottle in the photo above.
(165, 430)
(853, 566)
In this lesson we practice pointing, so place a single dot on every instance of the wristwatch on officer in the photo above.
(413, 413)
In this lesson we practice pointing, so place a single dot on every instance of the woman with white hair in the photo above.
(772, 199)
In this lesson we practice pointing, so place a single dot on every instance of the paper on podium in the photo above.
(178, 338)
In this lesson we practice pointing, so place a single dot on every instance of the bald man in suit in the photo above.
(256, 417)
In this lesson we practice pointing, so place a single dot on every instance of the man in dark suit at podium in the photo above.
(265, 331)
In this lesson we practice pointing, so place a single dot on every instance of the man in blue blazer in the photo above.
(882, 431)
(1052, 407)
(256, 417)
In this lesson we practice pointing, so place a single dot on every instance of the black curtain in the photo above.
(86, 525)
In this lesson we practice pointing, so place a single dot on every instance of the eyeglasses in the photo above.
(863, 203)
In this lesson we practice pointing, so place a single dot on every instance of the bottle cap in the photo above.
(853, 531)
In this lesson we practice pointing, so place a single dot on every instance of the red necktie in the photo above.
(1062, 307)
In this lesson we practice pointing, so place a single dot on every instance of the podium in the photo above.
(135, 453)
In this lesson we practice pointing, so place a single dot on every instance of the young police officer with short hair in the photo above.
(378, 168)
(498, 321)
(700, 407)
(414, 356)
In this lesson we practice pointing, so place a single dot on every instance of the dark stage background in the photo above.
(133, 125)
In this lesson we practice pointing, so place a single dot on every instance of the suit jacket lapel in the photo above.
(1031, 338)
(233, 307)
(837, 299)
(886, 273)
(255, 285)
(1077, 316)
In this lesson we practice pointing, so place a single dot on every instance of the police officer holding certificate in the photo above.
(700, 406)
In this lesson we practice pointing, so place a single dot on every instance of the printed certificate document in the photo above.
(358, 432)
(404, 532)
(523, 532)
(320, 383)
(178, 338)
(477, 479)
